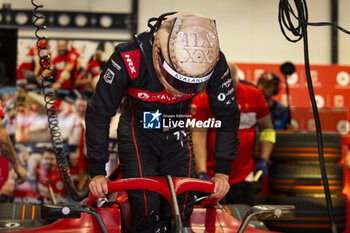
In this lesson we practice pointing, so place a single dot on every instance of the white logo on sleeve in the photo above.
(115, 65)
(108, 76)
(221, 97)
(131, 65)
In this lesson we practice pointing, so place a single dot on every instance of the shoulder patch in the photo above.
(115, 65)
(132, 62)
(108, 76)
(226, 72)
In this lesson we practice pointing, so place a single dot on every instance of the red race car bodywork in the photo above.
(206, 217)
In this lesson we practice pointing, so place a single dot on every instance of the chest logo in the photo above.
(142, 95)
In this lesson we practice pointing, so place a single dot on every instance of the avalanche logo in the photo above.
(151, 120)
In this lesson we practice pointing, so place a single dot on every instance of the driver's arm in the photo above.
(266, 146)
(223, 105)
(104, 104)
(199, 138)
(200, 111)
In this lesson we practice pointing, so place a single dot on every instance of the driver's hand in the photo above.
(221, 185)
(98, 186)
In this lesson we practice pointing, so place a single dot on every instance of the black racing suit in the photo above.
(154, 152)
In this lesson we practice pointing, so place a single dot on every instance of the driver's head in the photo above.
(185, 52)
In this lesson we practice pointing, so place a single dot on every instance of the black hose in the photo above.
(51, 110)
(287, 69)
(177, 218)
(300, 32)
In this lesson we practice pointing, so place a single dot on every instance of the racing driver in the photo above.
(158, 73)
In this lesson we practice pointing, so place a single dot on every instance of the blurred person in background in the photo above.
(22, 122)
(254, 112)
(76, 123)
(38, 123)
(8, 102)
(64, 67)
(280, 115)
(8, 188)
(81, 168)
(26, 192)
(30, 67)
(47, 175)
(88, 80)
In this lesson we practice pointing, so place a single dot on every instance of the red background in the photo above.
(332, 84)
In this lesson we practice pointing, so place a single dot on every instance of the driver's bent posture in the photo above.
(159, 72)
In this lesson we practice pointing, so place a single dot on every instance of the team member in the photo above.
(64, 67)
(47, 174)
(160, 72)
(90, 76)
(254, 111)
(280, 115)
(30, 66)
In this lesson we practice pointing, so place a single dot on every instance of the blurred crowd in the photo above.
(27, 126)
(66, 66)
(26, 122)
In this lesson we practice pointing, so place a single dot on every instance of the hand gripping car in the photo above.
(113, 214)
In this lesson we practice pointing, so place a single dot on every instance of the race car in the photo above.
(113, 213)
